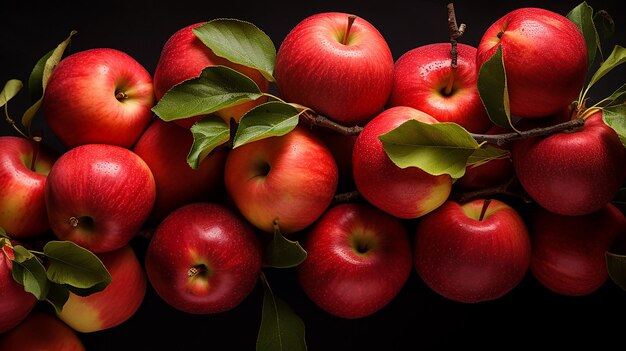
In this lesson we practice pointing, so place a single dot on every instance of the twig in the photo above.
(501, 139)
(315, 119)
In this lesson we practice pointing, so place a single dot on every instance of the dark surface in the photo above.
(418, 318)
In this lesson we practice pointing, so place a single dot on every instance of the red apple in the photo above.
(359, 258)
(339, 69)
(469, 253)
(24, 167)
(291, 178)
(99, 196)
(203, 258)
(184, 57)
(114, 305)
(15, 302)
(568, 254)
(42, 332)
(425, 80)
(164, 147)
(545, 58)
(404, 193)
(573, 172)
(98, 95)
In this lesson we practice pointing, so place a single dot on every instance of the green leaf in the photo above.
(208, 133)
(30, 272)
(485, 153)
(73, 265)
(239, 42)
(11, 88)
(281, 329)
(3, 233)
(439, 148)
(615, 117)
(35, 80)
(216, 88)
(57, 296)
(616, 265)
(617, 57)
(269, 119)
(582, 16)
(603, 20)
(618, 97)
(493, 91)
(282, 252)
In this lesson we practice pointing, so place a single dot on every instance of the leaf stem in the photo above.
(456, 32)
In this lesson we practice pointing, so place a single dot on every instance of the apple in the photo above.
(336, 64)
(545, 58)
(472, 252)
(568, 254)
(184, 56)
(99, 95)
(41, 331)
(164, 147)
(203, 258)
(425, 80)
(114, 305)
(15, 302)
(404, 193)
(290, 178)
(99, 196)
(572, 172)
(358, 260)
(24, 167)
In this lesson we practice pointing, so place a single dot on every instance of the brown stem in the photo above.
(315, 119)
(502, 189)
(501, 139)
(37, 141)
(483, 210)
(351, 19)
(456, 32)
(346, 197)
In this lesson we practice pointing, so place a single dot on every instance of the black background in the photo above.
(418, 318)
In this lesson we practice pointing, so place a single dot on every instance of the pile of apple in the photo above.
(470, 165)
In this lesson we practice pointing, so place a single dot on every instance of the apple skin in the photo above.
(164, 147)
(572, 173)
(348, 83)
(292, 178)
(114, 305)
(43, 332)
(203, 259)
(404, 193)
(15, 303)
(469, 260)
(421, 76)
(537, 88)
(99, 196)
(568, 255)
(358, 260)
(184, 56)
(22, 206)
(98, 95)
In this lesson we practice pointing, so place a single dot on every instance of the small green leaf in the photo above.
(57, 296)
(272, 118)
(11, 88)
(582, 16)
(615, 117)
(616, 265)
(239, 42)
(216, 88)
(493, 90)
(618, 97)
(486, 153)
(438, 148)
(35, 80)
(282, 252)
(208, 133)
(281, 329)
(29, 272)
(73, 265)
(617, 57)
(3, 233)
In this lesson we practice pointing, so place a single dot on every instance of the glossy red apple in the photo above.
(425, 80)
(469, 253)
(573, 172)
(164, 147)
(42, 332)
(98, 95)
(99, 196)
(15, 302)
(203, 258)
(568, 254)
(114, 305)
(24, 167)
(339, 69)
(404, 193)
(291, 178)
(184, 57)
(358, 260)
(545, 58)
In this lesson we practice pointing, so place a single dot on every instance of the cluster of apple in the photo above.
(352, 151)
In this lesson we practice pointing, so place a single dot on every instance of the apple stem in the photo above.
(37, 145)
(501, 139)
(484, 209)
(351, 19)
(315, 119)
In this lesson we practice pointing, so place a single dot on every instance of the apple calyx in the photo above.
(84, 221)
(199, 270)
(351, 19)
